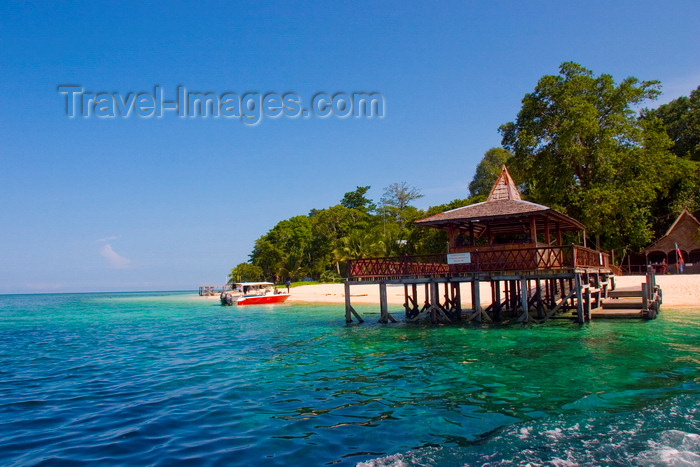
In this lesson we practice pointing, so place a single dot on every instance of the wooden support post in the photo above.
(382, 303)
(572, 287)
(587, 303)
(349, 310)
(348, 306)
(579, 299)
(456, 295)
(524, 316)
(606, 287)
(446, 295)
(552, 297)
(405, 300)
(562, 288)
(434, 301)
(411, 300)
(600, 286)
(384, 315)
(496, 287)
(476, 296)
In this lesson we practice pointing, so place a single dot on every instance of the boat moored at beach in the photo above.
(253, 293)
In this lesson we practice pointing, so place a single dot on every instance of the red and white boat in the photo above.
(253, 293)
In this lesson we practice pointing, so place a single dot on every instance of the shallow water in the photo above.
(167, 378)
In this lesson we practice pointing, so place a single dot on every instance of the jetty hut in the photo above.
(515, 245)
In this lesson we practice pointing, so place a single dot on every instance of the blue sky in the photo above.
(91, 204)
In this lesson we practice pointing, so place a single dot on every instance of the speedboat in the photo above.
(253, 293)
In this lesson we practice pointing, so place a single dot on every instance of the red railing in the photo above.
(481, 260)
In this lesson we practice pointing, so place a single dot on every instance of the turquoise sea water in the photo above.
(170, 379)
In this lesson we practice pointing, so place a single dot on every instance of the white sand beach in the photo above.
(678, 291)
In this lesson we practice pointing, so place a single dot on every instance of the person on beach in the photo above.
(288, 283)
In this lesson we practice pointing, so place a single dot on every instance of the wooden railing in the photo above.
(206, 290)
(481, 260)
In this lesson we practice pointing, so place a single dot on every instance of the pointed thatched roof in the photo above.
(504, 189)
(681, 233)
(504, 212)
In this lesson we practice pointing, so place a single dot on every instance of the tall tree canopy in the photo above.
(487, 171)
(579, 147)
(245, 272)
(682, 120)
(357, 200)
(396, 199)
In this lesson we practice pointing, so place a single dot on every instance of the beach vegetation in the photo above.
(580, 146)
(396, 201)
(681, 117)
(487, 171)
(246, 272)
(356, 200)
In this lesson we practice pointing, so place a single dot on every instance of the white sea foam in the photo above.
(423, 458)
(524, 432)
(673, 448)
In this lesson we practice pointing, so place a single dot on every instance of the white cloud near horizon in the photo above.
(115, 260)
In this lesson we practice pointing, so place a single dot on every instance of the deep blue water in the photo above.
(171, 379)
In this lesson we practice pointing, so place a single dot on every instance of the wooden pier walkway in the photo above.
(581, 294)
(635, 303)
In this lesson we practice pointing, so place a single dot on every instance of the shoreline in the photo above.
(679, 291)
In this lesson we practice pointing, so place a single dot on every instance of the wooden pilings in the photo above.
(349, 310)
(524, 298)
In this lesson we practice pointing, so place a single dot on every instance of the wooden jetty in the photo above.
(642, 303)
(517, 248)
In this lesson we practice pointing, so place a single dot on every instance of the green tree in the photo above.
(285, 251)
(487, 171)
(396, 199)
(246, 272)
(682, 120)
(424, 240)
(579, 147)
(357, 200)
(359, 244)
(328, 227)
